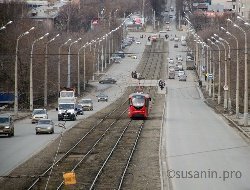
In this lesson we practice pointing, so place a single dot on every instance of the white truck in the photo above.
(67, 105)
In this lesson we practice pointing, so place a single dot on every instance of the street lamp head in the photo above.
(32, 28)
(67, 41)
(246, 23)
(9, 22)
(238, 17)
(223, 28)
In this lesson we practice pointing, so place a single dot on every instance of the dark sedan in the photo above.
(79, 109)
(108, 81)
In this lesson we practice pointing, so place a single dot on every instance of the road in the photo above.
(202, 150)
(16, 150)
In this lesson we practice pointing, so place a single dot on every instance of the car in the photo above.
(120, 54)
(171, 16)
(163, 31)
(182, 78)
(45, 126)
(189, 58)
(117, 61)
(133, 56)
(180, 67)
(38, 114)
(6, 125)
(87, 104)
(107, 81)
(167, 22)
(79, 108)
(115, 56)
(181, 72)
(176, 68)
(171, 61)
(137, 42)
(179, 58)
(102, 97)
(183, 42)
(175, 45)
(176, 39)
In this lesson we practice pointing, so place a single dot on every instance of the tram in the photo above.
(138, 105)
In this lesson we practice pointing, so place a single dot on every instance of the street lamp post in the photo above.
(31, 70)
(246, 79)
(225, 85)
(68, 81)
(206, 70)
(16, 78)
(219, 85)
(46, 71)
(229, 75)
(105, 54)
(78, 69)
(102, 56)
(197, 56)
(210, 71)
(94, 60)
(59, 65)
(237, 71)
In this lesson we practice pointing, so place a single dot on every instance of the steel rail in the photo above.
(130, 156)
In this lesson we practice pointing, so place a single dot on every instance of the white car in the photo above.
(181, 73)
(179, 57)
(176, 39)
(38, 114)
(137, 42)
(171, 61)
(134, 57)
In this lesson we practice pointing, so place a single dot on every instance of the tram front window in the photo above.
(138, 101)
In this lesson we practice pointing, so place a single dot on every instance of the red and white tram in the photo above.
(139, 105)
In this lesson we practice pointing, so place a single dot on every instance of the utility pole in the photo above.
(154, 19)
(143, 4)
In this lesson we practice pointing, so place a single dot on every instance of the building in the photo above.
(241, 7)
